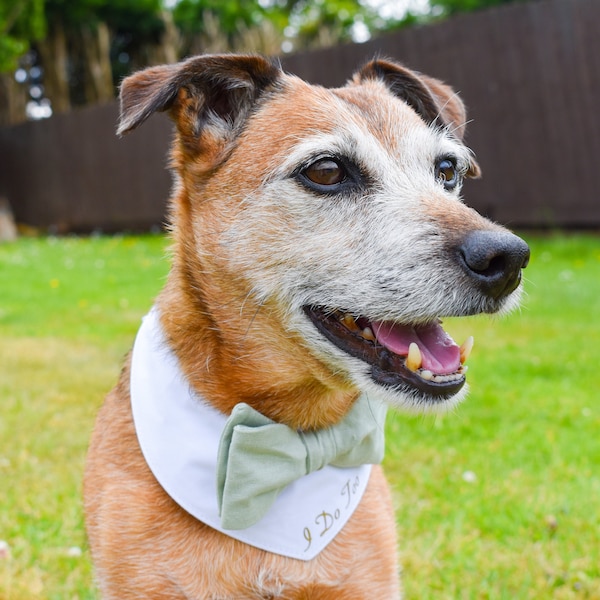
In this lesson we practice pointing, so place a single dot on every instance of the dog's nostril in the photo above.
(494, 259)
(485, 264)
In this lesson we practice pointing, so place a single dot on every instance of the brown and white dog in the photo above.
(318, 238)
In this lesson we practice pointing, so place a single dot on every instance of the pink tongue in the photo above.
(440, 353)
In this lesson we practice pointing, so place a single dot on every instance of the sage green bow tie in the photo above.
(258, 457)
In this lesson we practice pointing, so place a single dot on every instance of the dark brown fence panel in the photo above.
(529, 73)
(71, 172)
(530, 76)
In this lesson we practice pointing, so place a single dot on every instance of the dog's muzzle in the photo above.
(421, 358)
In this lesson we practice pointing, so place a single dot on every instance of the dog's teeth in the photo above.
(414, 360)
(349, 322)
(425, 374)
(368, 334)
(465, 349)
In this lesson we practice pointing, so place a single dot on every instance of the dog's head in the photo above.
(332, 217)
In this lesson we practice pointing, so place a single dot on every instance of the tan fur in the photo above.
(227, 313)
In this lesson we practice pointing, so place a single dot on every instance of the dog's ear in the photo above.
(453, 113)
(210, 89)
(433, 100)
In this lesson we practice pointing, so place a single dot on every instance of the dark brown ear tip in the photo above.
(144, 93)
(379, 67)
(431, 98)
(212, 76)
(474, 171)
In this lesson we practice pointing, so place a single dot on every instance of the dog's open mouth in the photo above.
(419, 357)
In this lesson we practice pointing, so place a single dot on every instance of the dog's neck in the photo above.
(227, 362)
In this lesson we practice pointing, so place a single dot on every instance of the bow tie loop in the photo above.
(258, 457)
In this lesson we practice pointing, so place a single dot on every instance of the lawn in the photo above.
(499, 500)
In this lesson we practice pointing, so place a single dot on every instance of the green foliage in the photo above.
(335, 20)
(21, 22)
(306, 22)
(11, 48)
(450, 7)
(189, 14)
(341, 16)
(495, 501)
(136, 16)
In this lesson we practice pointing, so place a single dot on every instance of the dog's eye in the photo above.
(447, 174)
(325, 172)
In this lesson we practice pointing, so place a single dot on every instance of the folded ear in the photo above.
(433, 100)
(204, 90)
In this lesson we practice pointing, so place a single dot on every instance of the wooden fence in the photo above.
(71, 173)
(528, 72)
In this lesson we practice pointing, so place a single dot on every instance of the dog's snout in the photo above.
(494, 259)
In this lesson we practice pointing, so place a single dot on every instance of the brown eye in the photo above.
(326, 172)
(447, 174)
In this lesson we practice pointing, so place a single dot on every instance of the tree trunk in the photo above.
(55, 60)
(13, 100)
(97, 68)
(8, 229)
(167, 50)
(170, 41)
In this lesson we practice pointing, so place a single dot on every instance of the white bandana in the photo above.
(179, 436)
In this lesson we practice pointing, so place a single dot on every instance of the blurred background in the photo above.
(59, 54)
(529, 72)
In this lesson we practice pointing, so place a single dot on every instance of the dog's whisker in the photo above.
(458, 126)
(453, 97)
(251, 322)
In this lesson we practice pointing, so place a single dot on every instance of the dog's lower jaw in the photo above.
(398, 378)
(411, 401)
(389, 371)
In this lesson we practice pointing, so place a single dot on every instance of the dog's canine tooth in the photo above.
(465, 349)
(368, 334)
(349, 321)
(414, 360)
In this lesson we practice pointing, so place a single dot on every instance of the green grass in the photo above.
(69, 309)
(499, 500)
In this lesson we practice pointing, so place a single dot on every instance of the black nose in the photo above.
(494, 259)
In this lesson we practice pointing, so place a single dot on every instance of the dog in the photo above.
(318, 238)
